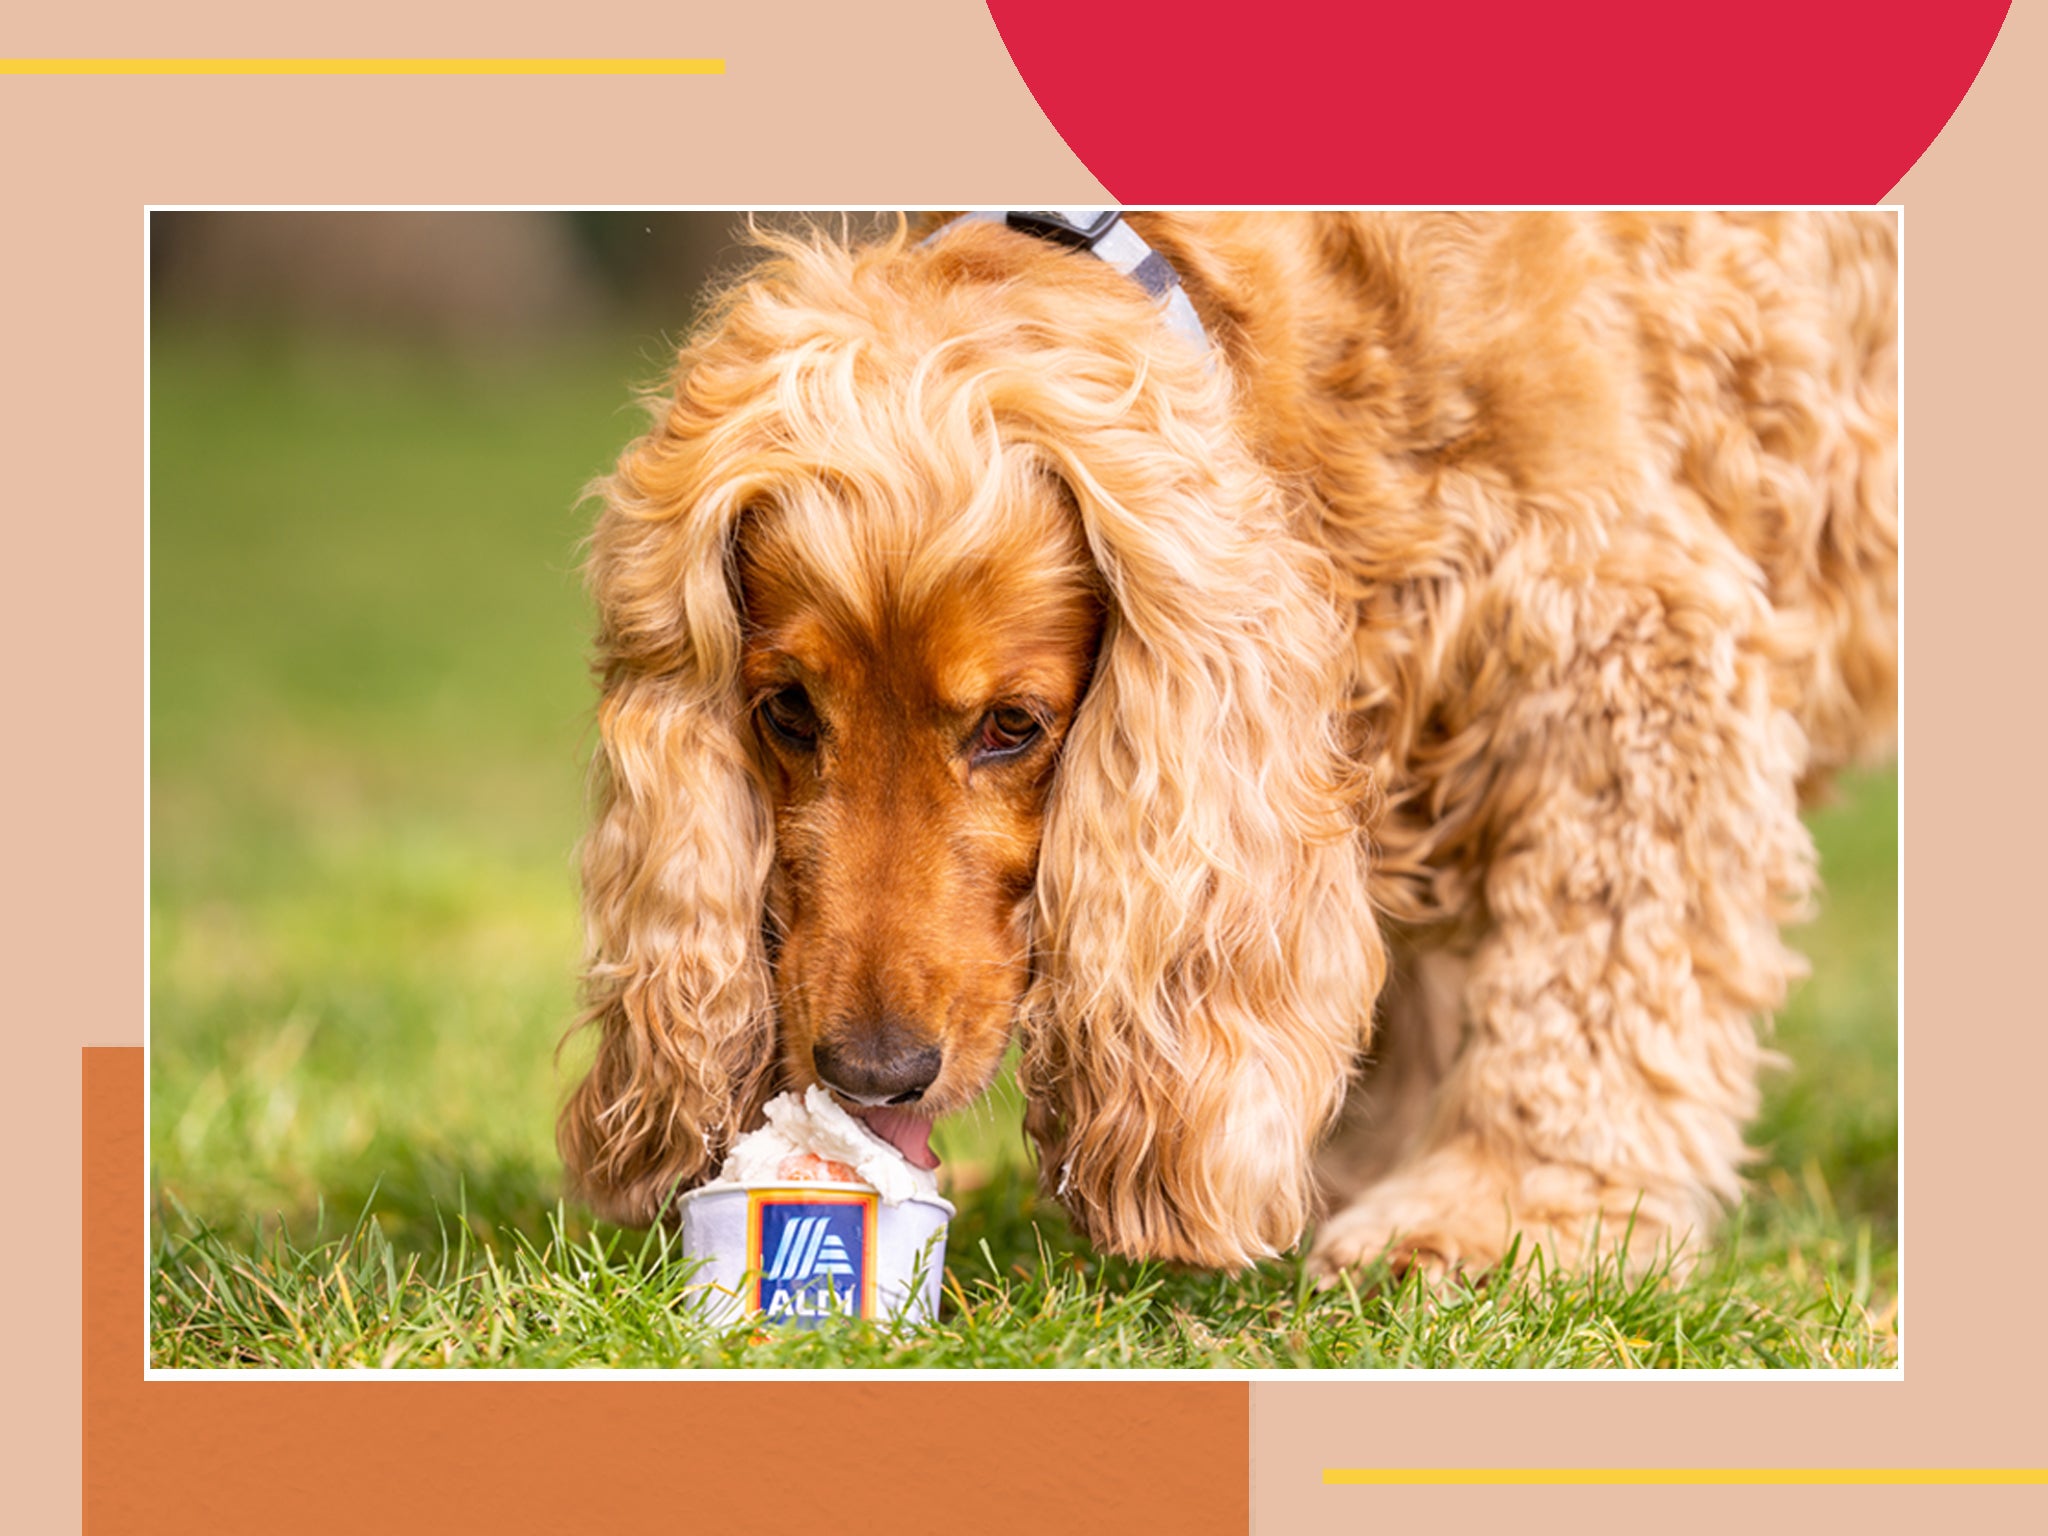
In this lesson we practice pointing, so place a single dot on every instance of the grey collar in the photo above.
(1103, 233)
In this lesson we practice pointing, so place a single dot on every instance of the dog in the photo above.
(1356, 748)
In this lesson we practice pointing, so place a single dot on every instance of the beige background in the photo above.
(830, 103)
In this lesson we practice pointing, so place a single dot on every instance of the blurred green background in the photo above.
(371, 725)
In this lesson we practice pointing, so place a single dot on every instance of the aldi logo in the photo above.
(809, 1247)
(813, 1254)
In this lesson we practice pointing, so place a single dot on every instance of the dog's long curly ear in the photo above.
(1209, 955)
(674, 868)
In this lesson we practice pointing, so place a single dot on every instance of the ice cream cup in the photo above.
(800, 1253)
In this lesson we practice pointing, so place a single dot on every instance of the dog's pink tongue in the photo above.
(908, 1133)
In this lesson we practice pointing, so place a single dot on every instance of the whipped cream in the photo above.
(817, 1125)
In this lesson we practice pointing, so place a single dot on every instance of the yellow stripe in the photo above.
(362, 66)
(1500, 1476)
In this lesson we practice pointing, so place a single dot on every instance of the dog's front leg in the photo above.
(1646, 847)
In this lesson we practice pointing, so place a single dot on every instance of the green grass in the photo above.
(1787, 1292)
(370, 725)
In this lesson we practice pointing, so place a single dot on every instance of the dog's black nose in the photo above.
(888, 1063)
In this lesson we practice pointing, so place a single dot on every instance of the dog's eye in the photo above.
(1006, 731)
(790, 716)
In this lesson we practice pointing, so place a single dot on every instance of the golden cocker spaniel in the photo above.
(1388, 719)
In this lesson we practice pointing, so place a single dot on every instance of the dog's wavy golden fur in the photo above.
(1412, 701)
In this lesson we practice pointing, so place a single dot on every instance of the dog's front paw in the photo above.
(1358, 1239)
(1457, 1212)
(1449, 1213)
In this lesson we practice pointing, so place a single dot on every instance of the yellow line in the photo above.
(1499, 1476)
(362, 66)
